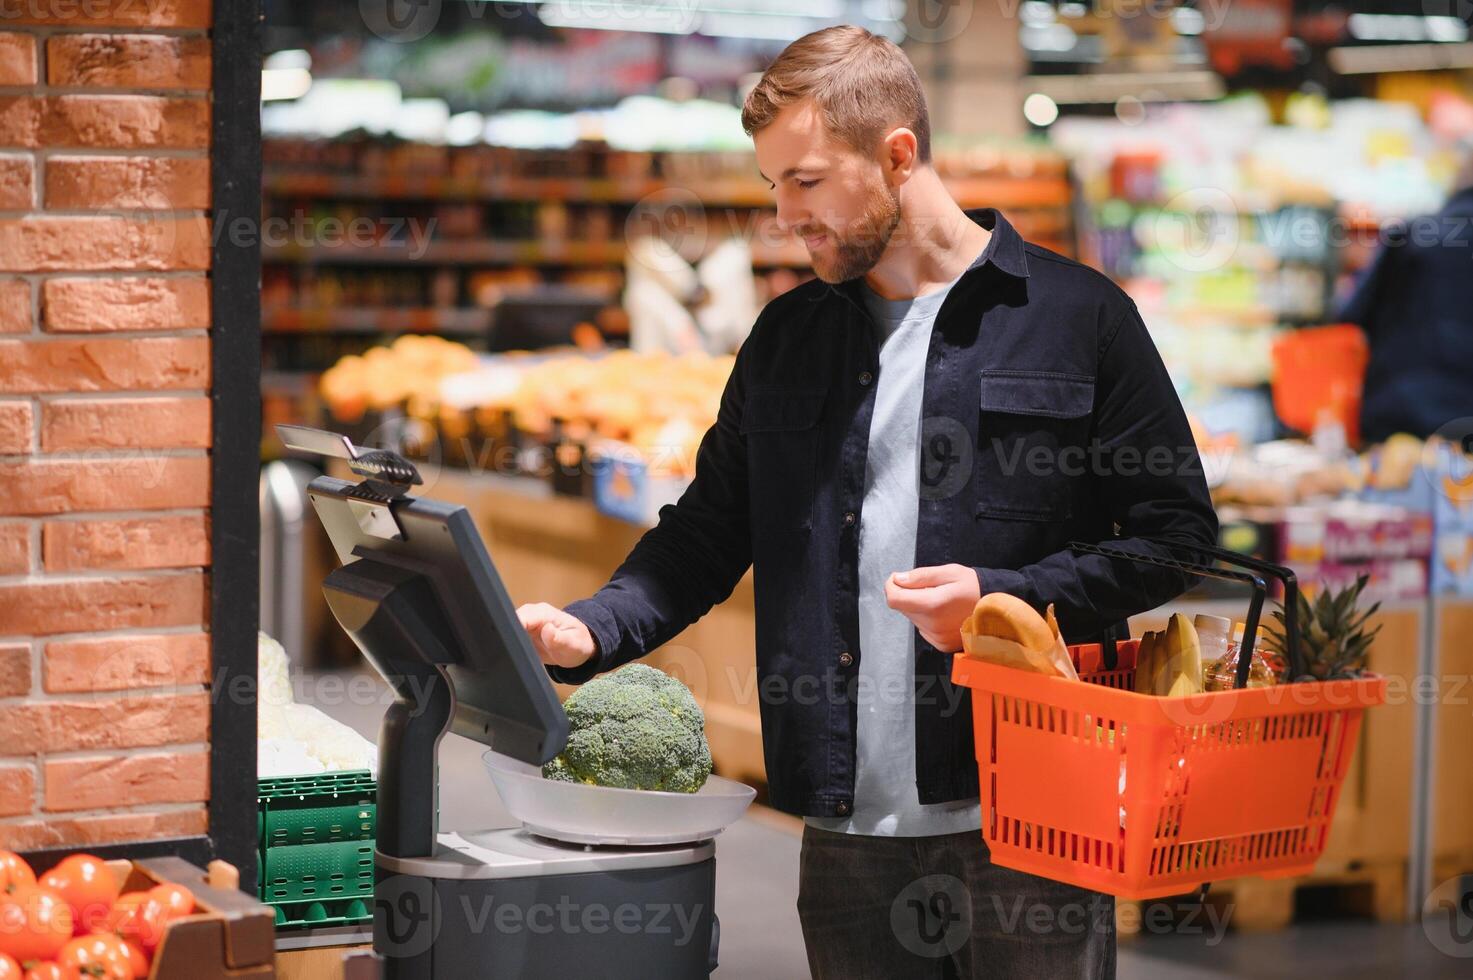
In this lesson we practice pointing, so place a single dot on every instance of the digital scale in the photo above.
(597, 881)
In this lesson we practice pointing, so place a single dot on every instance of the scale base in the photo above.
(504, 903)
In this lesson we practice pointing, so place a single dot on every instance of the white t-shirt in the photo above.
(885, 798)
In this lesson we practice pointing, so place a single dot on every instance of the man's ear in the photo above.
(899, 155)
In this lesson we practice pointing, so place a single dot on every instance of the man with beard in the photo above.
(933, 418)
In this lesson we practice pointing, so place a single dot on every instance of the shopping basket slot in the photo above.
(1143, 796)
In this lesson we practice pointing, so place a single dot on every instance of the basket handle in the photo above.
(1286, 577)
(1256, 582)
(1108, 652)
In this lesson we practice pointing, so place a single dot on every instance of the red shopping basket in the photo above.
(1141, 796)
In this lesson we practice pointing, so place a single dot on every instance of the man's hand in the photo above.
(937, 599)
(560, 638)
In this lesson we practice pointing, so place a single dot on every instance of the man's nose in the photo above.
(790, 214)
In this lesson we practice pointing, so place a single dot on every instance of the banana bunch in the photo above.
(1169, 663)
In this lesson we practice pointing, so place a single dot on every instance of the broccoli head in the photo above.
(636, 728)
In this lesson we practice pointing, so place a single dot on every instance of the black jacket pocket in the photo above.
(1032, 434)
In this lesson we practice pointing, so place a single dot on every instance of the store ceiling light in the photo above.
(759, 19)
(286, 75)
(287, 58)
(465, 129)
(769, 28)
(282, 84)
(1407, 27)
(1036, 13)
(613, 15)
(1040, 110)
(1054, 37)
(1446, 29)
(1188, 21)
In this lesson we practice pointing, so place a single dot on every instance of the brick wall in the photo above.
(104, 420)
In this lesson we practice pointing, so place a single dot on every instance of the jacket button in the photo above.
(846, 659)
(865, 377)
(849, 519)
(841, 808)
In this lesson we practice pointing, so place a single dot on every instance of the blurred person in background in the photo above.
(934, 417)
(1415, 304)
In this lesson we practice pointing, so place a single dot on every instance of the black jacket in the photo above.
(1415, 304)
(1047, 416)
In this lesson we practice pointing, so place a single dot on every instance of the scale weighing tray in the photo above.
(606, 815)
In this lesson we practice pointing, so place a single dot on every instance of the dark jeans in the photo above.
(896, 908)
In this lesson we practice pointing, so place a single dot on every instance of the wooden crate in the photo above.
(1447, 866)
(1375, 891)
(1452, 773)
(230, 935)
(327, 963)
(1370, 891)
(1374, 822)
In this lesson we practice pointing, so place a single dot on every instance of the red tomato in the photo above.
(160, 906)
(89, 888)
(9, 968)
(14, 872)
(51, 970)
(98, 956)
(35, 923)
(120, 916)
(148, 922)
(137, 958)
(177, 898)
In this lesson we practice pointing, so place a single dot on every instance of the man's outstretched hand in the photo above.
(937, 599)
(560, 638)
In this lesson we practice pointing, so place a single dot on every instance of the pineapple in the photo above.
(1333, 639)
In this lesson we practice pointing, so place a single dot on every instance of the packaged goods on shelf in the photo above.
(1401, 580)
(626, 486)
(445, 237)
(1227, 229)
(1285, 472)
(1433, 477)
(1452, 566)
(1348, 531)
(1451, 477)
(1330, 543)
(1397, 581)
(1401, 512)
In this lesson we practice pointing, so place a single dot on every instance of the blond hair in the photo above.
(862, 83)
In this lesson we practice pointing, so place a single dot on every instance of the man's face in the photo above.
(832, 198)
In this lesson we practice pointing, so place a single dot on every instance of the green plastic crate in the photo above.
(345, 912)
(331, 806)
(315, 872)
(315, 864)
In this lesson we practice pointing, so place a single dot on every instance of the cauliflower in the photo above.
(637, 728)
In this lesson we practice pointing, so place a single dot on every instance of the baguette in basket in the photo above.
(1004, 629)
